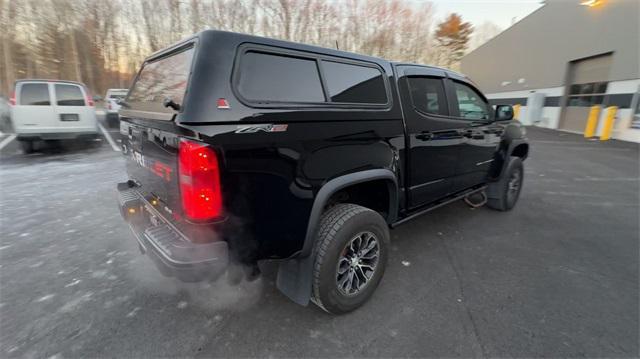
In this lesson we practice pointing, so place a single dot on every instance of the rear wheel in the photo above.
(351, 254)
(27, 146)
(504, 194)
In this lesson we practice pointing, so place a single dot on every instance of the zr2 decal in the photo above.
(261, 128)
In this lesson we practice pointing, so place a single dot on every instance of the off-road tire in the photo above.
(500, 194)
(338, 226)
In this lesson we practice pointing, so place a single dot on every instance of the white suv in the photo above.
(52, 110)
(112, 105)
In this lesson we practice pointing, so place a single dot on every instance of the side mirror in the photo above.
(504, 113)
(97, 98)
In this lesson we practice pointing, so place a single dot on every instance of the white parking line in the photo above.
(6, 141)
(108, 137)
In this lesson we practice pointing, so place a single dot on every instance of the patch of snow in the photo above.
(36, 265)
(406, 263)
(46, 297)
(132, 313)
(182, 304)
(75, 282)
(76, 302)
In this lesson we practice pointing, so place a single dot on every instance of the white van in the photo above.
(52, 110)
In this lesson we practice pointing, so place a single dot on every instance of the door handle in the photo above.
(466, 133)
(424, 136)
(470, 133)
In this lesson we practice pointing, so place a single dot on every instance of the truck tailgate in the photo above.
(152, 163)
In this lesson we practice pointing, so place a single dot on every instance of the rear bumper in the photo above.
(57, 135)
(171, 251)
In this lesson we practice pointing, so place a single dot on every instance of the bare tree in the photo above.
(102, 43)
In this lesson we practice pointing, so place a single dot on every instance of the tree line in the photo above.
(103, 42)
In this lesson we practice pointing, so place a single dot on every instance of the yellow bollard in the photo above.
(592, 122)
(516, 111)
(608, 123)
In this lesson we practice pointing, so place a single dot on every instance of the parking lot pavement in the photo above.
(557, 276)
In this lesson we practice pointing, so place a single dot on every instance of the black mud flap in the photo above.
(295, 279)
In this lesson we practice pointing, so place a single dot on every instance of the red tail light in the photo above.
(199, 175)
(89, 98)
(12, 100)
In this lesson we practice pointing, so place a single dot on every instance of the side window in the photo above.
(470, 103)
(278, 78)
(34, 95)
(348, 83)
(427, 95)
(69, 95)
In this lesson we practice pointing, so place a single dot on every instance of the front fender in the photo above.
(512, 138)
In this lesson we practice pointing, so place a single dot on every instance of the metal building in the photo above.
(561, 60)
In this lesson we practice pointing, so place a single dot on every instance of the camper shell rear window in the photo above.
(162, 78)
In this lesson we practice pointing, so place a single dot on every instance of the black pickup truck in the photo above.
(241, 148)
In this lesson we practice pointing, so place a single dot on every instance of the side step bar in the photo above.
(438, 205)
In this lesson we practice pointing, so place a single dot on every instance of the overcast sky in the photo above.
(500, 12)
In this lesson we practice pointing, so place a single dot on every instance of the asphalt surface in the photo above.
(555, 277)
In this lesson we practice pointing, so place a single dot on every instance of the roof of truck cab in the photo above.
(447, 71)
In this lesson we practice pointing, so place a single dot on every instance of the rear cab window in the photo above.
(118, 95)
(162, 78)
(34, 94)
(268, 76)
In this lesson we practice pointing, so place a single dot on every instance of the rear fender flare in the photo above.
(295, 274)
(338, 183)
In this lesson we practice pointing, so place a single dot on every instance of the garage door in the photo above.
(588, 86)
